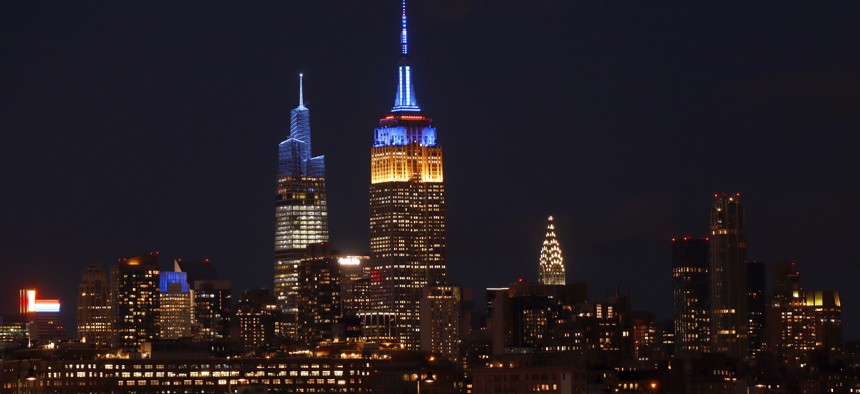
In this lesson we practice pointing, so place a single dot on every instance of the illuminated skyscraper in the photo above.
(94, 313)
(174, 305)
(551, 270)
(134, 300)
(301, 216)
(729, 315)
(691, 294)
(407, 207)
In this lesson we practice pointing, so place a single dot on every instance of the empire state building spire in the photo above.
(405, 99)
(551, 271)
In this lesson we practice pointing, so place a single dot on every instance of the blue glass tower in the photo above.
(407, 207)
(301, 215)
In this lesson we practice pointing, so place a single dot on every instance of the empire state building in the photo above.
(407, 207)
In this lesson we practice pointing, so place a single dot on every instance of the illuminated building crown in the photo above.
(551, 270)
(295, 158)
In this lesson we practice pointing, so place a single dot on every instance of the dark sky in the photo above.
(137, 126)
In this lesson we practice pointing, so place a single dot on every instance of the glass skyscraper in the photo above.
(407, 207)
(301, 215)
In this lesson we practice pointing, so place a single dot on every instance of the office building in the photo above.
(407, 207)
(802, 324)
(94, 313)
(691, 294)
(174, 305)
(212, 300)
(729, 296)
(301, 214)
(551, 266)
(134, 301)
(319, 297)
(355, 283)
(446, 320)
(257, 315)
(756, 304)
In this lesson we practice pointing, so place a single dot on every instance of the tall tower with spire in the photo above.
(551, 269)
(407, 206)
(301, 214)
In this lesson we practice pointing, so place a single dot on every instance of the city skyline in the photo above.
(153, 184)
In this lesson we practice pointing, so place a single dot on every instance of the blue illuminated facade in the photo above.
(294, 153)
(399, 131)
(166, 278)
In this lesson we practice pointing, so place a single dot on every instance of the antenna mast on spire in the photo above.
(301, 92)
(404, 49)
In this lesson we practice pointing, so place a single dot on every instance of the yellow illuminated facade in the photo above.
(406, 163)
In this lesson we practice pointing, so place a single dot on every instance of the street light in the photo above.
(31, 372)
(418, 378)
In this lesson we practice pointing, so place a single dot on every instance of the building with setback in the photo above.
(174, 305)
(729, 296)
(407, 207)
(212, 300)
(301, 214)
(802, 324)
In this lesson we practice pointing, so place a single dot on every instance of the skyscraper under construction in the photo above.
(407, 207)
(301, 214)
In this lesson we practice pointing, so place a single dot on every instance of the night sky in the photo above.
(136, 126)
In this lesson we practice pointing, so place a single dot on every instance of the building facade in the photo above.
(94, 312)
(407, 207)
(319, 295)
(446, 320)
(691, 295)
(187, 375)
(802, 324)
(756, 304)
(301, 213)
(134, 300)
(212, 300)
(729, 314)
(174, 305)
